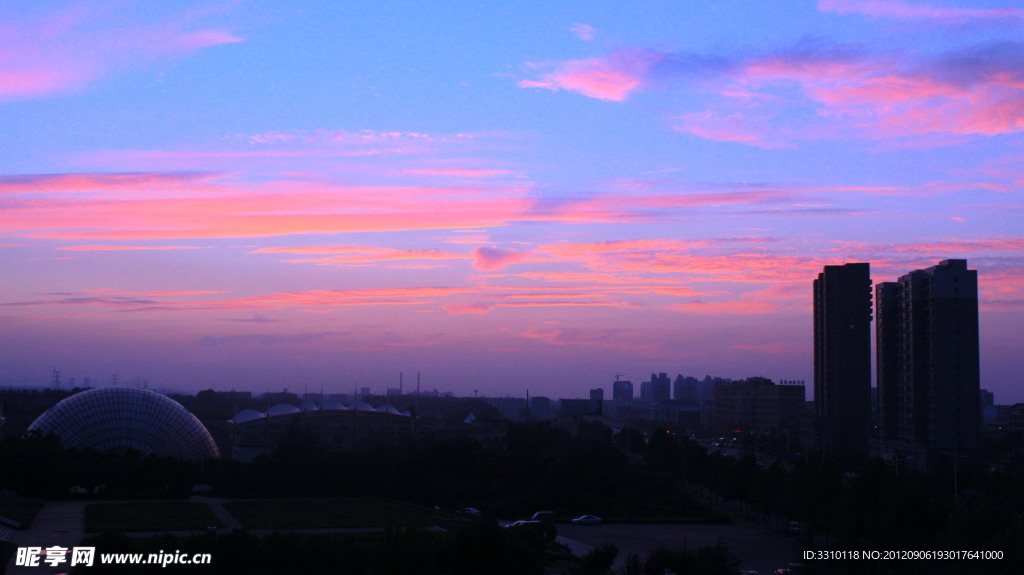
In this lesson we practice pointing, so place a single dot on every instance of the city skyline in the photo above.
(245, 195)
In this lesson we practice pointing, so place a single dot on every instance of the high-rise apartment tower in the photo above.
(928, 358)
(842, 356)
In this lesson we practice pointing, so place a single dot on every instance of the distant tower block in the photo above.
(622, 390)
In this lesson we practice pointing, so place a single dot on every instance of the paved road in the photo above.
(757, 548)
(58, 523)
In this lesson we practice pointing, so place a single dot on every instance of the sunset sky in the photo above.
(500, 195)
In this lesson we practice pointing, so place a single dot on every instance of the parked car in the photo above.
(587, 520)
(525, 523)
(545, 516)
(469, 512)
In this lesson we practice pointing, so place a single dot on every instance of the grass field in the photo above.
(149, 516)
(326, 513)
(20, 509)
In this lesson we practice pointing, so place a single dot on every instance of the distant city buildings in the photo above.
(928, 402)
(685, 388)
(580, 407)
(842, 356)
(928, 361)
(757, 405)
(700, 406)
(657, 390)
(540, 408)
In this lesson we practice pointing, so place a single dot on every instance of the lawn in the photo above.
(20, 509)
(149, 516)
(331, 513)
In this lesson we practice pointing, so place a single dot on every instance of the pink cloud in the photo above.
(488, 259)
(733, 128)
(371, 156)
(564, 303)
(728, 260)
(612, 78)
(156, 206)
(898, 258)
(653, 284)
(582, 31)
(817, 90)
(72, 47)
(359, 254)
(902, 10)
(779, 348)
(958, 246)
(193, 41)
(977, 90)
(468, 308)
(125, 248)
(153, 293)
(73, 183)
(335, 298)
(350, 137)
(594, 338)
(324, 299)
(459, 173)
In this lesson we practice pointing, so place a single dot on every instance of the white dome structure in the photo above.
(108, 419)
(334, 405)
(247, 415)
(282, 409)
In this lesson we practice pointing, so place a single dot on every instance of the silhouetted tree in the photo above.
(599, 559)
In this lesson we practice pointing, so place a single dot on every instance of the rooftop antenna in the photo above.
(56, 378)
(400, 374)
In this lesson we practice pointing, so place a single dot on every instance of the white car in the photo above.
(587, 520)
(525, 523)
(469, 512)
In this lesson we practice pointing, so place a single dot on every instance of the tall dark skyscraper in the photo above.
(842, 356)
(928, 358)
